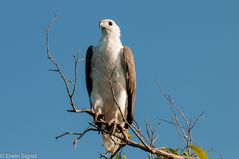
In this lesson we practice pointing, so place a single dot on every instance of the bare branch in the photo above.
(184, 132)
(170, 122)
(58, 69)
(76, 133)
(104, 155)
(125, 140)
(113, 155)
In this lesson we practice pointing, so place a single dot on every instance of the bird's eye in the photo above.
(110, 23)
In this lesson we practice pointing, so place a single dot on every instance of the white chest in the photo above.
(107, 61)
(110, 48)
(107, 64)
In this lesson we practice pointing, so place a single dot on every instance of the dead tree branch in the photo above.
(184, 130)
(57, 67)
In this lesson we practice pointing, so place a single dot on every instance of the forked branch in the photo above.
(58, 69)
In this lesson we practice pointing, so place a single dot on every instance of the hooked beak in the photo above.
(102, 24)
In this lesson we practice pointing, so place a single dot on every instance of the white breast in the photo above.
(107, 64)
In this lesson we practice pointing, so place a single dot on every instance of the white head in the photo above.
(109, 28)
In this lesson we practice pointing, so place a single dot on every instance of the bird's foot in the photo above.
(112, 124)
(98, 117)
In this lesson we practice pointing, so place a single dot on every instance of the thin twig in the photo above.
(170, 122)
(76, 62)
(197, 119)
(76, 133)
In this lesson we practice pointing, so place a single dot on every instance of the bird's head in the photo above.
(109, 28)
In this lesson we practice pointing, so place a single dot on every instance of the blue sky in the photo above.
(191, 47)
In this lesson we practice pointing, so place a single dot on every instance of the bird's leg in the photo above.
(123, 131)
(97, 108)
(119, 109)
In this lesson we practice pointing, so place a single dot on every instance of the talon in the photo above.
(98, 117)
(113, 121)
(112, 125)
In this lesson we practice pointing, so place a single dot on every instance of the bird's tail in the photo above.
(112, 142)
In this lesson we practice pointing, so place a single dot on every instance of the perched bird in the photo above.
(110, 60)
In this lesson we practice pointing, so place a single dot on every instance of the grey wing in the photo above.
(88, 69)
(130, 82)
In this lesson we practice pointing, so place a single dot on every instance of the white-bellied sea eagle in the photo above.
(110, 60)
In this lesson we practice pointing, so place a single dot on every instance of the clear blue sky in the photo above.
(191, 47)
